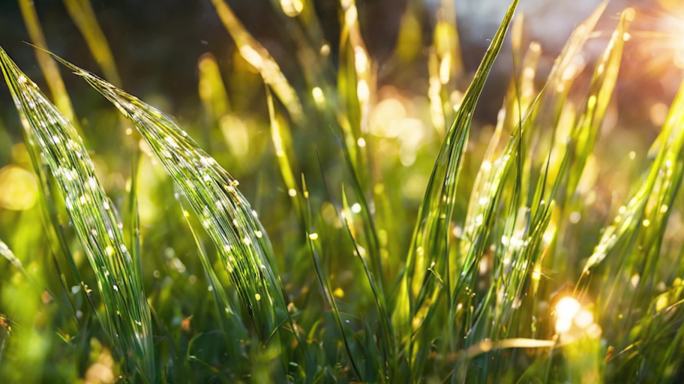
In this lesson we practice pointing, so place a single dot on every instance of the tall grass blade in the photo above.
(282, 145)
(387, 341)
(355, 84)
(445, 65)
(652, 200)
(314, 245)
(584, 134)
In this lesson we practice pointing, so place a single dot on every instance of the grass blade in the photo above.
(630, 217)
(81, 12)
(584, 134)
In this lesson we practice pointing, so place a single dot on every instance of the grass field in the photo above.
(336, 226)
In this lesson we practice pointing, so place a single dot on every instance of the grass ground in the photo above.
(344, 231)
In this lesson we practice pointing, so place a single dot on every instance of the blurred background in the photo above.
(158, 45)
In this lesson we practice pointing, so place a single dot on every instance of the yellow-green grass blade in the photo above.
(584, 134)
(631, 215)
(258, 57)
(81, 12)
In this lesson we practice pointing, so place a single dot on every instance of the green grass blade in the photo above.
(7, 253)
(584, 134)
(314, 245)
(631, 215)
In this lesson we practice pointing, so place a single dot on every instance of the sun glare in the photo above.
(573, 320)
(658, 36)
(566, 309)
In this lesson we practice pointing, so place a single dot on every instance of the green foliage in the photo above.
(399, 248)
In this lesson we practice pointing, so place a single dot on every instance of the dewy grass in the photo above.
(212, 194)
(7, 253)
(126, 315)
(663, 177)
(583, 135)
(505, 280)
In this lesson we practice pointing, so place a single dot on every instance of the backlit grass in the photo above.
(376, 234)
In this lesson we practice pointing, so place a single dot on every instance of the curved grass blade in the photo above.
(355, 83)
(7, 253)
(119, 277)
(212, 195)
(282, 144)
(314, 245)
(386, 332)
(230, 321)
(521, 237)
